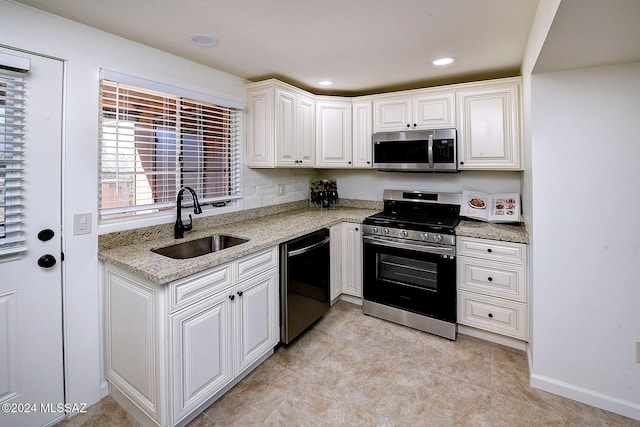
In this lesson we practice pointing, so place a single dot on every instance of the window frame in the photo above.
(232, 171)
(13, 91)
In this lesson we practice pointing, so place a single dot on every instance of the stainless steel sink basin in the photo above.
(203, 246)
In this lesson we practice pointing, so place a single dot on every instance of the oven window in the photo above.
(408, 272)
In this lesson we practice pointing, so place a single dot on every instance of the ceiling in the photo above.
(364, 46)
(588, 33)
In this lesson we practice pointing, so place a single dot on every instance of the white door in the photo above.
(31, 371)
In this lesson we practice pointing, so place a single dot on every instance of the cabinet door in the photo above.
(489, 127)
(333, 134)
(433, 111)
(305, 131)
(392, 114)
(260, 149)
(285, 128)
(201, 353)
(352, 259)
(256, 318)
(335, 264)
(362, 130)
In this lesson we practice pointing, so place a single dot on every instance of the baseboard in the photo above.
(351, 299)
(584, 395)
(104, 388)
(490, 336)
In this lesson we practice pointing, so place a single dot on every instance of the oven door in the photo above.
(416, 278)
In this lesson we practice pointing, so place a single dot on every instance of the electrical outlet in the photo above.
(638, 351)
(281, 190)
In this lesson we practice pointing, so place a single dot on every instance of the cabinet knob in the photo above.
(489, 250)
(356, 228)
(349, 162)
(240, 293)
(415, 125)
(408, 125)
(490, 315)
(368, 162)
(462, 163)
(232, 297)
(490, 279)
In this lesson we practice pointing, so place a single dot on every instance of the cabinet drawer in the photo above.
(198, 286)
(256, 263)
(493, 314)
(492, 249)
(492, 278)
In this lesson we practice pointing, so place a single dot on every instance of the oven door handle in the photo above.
(409, 246)
(308, 248)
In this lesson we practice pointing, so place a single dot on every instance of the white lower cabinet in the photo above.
(346, 260)
(492, 286)
(171, 350)
(352, 259)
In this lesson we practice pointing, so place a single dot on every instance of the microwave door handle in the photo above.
(430, 151)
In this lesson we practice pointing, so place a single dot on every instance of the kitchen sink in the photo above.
(198, 247)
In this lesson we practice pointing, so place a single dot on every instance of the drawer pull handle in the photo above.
(490, 279)
(489, 250)
(490, 316)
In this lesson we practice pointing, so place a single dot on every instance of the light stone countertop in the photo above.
(517, 233)
(263, 233)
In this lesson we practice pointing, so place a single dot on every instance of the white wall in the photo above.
(85, 51)
(586, 238)
(368, 185)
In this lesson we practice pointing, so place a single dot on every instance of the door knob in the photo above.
(47, 261)
(46, 234)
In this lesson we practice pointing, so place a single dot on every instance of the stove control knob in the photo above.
(424, 236)
(437, 238)
(386, 231)
(375, 230)
(403, 233)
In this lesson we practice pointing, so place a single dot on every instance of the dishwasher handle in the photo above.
(308, 248)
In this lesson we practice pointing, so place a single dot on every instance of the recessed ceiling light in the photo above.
(444, 61)
(203, 39)
(325, 83)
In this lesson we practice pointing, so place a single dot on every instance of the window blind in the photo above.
(12, 112)
(153, 143)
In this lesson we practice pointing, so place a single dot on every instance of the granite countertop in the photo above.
(263, 233)
(517, 233)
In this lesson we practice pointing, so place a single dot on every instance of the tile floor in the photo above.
(355, 370)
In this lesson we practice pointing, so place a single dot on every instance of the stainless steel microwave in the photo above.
(416, 151)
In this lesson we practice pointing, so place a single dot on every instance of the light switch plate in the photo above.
(81, 224)
(281, 190)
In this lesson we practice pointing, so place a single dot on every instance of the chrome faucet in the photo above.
(180, 228)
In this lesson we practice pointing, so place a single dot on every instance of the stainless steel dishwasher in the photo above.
(304, 283)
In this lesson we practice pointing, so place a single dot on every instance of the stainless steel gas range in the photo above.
(409, 263)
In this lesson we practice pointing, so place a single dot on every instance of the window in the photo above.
(12, 110)
(153, 142)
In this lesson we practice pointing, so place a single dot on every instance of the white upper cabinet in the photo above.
(260, 128)
(288, 127)
(362, 129)
(280, 126)
(333, 132)
(423, 109)
(489, 132)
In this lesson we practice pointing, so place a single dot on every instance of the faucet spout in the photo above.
(179, 228)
